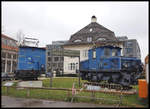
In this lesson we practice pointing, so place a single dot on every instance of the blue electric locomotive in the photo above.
(106, 63)
(31, 62)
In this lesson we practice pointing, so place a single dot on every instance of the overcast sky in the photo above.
(52, 21)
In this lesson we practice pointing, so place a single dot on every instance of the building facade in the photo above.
(130, 47)
(9, 54)
(54, 57)
(91, 35)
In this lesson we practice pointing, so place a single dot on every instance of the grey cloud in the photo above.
(51, 21)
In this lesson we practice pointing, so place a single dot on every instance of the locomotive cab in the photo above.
(105, 63)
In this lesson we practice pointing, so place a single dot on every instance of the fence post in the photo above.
(93, 95)
(28, 92)
(68, 94)
(120, 98)
(6, 90)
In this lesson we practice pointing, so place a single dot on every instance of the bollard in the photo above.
(143, 88)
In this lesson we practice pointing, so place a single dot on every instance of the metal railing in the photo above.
(117, 95)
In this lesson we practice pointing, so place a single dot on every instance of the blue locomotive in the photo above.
(31, 62)
(105, 63)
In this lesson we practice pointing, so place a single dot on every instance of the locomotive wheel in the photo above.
(125, 81)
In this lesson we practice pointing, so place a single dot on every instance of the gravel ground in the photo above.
(22, 102)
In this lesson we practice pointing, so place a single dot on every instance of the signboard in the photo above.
(57, 52)
(73, 53)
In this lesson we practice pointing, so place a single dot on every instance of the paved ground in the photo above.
(22, 102)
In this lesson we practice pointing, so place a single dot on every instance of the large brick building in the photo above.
(9, 54)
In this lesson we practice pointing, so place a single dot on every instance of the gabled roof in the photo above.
(96, 28)
(93, 30)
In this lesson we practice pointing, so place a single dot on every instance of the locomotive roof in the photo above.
(31, 47)
(106, 46)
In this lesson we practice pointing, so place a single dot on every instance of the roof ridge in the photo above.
(92, 24)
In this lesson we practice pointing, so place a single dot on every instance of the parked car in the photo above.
(6, 76)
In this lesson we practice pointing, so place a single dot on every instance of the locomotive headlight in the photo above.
(29, 58)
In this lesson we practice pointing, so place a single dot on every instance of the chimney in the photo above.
(93, 19)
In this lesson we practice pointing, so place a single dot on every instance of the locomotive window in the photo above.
(114, 52)
(106, 52)
(94, 53)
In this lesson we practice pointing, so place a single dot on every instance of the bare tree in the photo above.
(20, 37)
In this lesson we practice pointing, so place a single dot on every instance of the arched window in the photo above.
(78, 40)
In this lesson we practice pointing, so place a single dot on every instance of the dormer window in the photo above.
(78, 40)
(101, 39)
(89, 39)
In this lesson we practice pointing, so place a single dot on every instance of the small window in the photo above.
(76, 65)
(14, 56)
(94, 53)
(9, 55)
(114, 52)
(91, 29)
(106, 52)
(62, 58)
(54, 65)
(129, 50)
(3, 55)
(129, 44)
(89, 39)
(85, 53)
(73, 66)
(49, 59)
(48, 53)
(56, 58)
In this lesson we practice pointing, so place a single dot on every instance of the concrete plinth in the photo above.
(30, 84)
